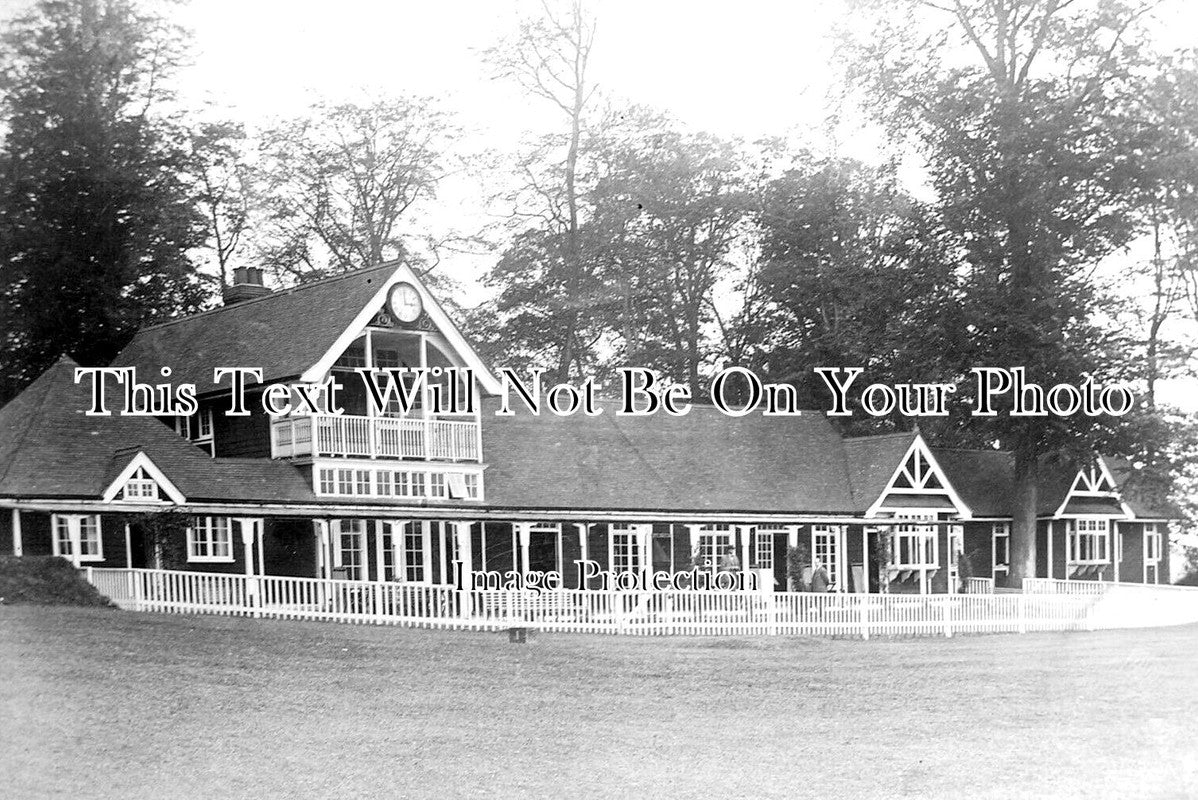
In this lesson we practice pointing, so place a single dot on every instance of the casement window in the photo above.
(382, 483)
(625, 548)
(345, 481)
(1088, 541)
(470, 479)
(914, 545)
(825, 548)
(713, 540)
(415, 553)
(436, 485)
(209, 539)
(763, 549)
(141, 487)
(197, 427)
(1001, 534)
(77, 537)
(328, 481)
(1152, 543)
(350, 548)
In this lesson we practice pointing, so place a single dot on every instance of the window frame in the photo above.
(204, 550)
(73, 526)
(1000, 531)
(1097, 540)
(922, 529)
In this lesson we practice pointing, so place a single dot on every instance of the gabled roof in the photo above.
(284, 332)
(50, 448)
(704, 461)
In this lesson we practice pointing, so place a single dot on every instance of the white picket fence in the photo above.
(692, 613)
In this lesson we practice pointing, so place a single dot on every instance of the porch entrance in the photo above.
(827, 547)
(544, 549)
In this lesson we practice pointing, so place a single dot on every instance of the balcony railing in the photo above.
(375, 437)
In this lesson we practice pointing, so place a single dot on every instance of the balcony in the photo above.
(348, 436)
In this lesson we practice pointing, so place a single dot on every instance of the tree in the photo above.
(1022, 111)
(224, 188)
(549, 57)
(95, 218)
(337, 183)
(852, 272)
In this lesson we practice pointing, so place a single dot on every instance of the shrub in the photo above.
(46, 580)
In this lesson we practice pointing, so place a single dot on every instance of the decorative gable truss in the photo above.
(436, 314)
(141, 481)
(920, 484)
(1093, 492)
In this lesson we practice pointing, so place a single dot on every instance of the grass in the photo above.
(96, 703)
(45, 580)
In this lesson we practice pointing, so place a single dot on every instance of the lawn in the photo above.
(102, 703)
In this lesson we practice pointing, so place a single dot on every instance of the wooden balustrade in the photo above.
(351, 436)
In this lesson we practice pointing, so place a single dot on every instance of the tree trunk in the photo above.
(1023, 524)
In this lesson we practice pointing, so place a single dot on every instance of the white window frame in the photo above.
(73, 526)
(921, 529)
(203, 541)
(624, 550)
(1000, 532)
(1094, 529)
(141, 488)
(1152, 534)
(830, 553)
(763, 547)
(712, 541)
(356, 528)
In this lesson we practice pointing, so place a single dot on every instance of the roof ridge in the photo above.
(876, 436)
(280, 293)
(969, 449)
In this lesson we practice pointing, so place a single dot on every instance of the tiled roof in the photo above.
(50, 448)
(284, 332)
(872, 461)
(982, 478)
(704, 461)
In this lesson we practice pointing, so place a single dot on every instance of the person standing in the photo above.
(820, 580)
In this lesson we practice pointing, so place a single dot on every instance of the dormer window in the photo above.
(354, 356)
(1088, 541)
(141, 487)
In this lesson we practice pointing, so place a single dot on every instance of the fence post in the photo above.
(863, 601)
(948, 617)
(91, 577)
(137, 590)
(1020, 602)
(378, 602)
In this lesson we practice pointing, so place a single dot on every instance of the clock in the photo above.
(404, 302)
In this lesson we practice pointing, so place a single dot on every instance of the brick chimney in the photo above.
(247, 284)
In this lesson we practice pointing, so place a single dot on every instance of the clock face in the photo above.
(405, 302)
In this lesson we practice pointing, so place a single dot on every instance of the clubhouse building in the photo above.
(384, 492)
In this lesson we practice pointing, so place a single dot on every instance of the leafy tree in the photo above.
(853, 272)
(224, 183)
(337, 184)
(95, 218)
(549, 57)
(1022, 109)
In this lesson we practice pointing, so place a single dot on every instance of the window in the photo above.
(362, 485)
(414, 565)
(383, 482)
(77, 537)
(417, 484)
(1088, 541)
(1001, 532)
(386, 532)
(328, 483)
(625, 550)
(713, 539)
(345, 481)
(209, 539)
(353, 357)
(471, 481)
(141, 487)
(436, 485)
(204, 433)
(385, 358)
(825, 548)
(1152, 543)
(351, 548)
(763, 548)
(914, 544)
